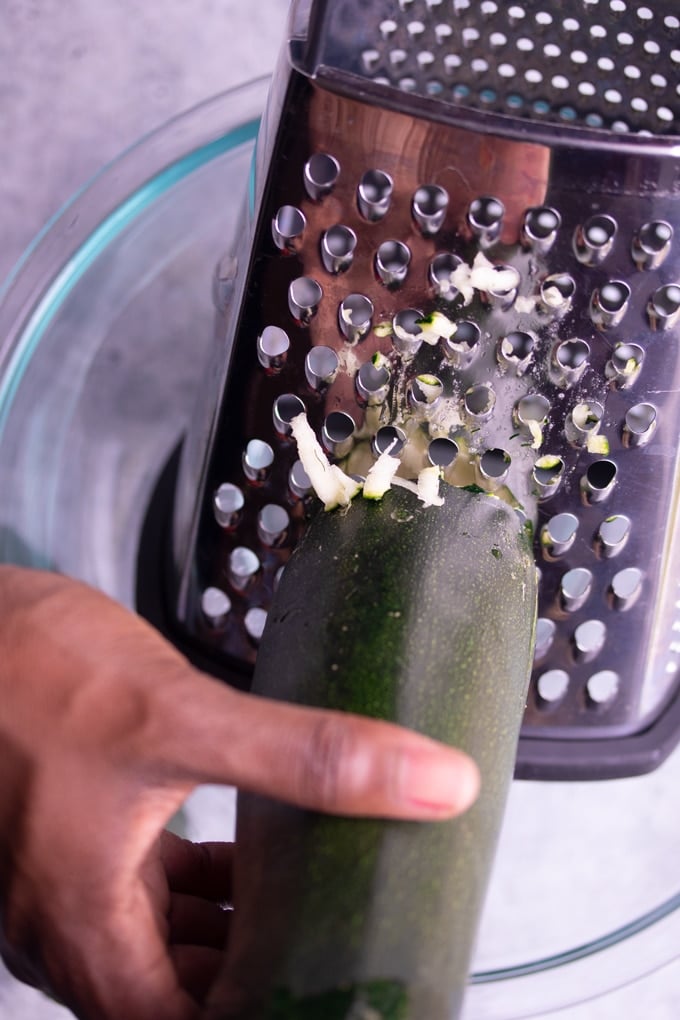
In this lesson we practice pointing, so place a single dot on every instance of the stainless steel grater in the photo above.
(462, 243)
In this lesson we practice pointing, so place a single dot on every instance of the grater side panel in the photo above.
(606, 664)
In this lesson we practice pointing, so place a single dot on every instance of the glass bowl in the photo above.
(105, 326)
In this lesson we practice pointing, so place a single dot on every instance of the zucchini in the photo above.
(419, 615)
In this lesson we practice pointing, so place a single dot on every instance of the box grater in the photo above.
(462, 244)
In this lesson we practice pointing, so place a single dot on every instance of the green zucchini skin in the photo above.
(421, 616)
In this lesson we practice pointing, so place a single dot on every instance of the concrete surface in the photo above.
(79, 81)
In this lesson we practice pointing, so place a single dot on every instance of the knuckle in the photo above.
(326, 772)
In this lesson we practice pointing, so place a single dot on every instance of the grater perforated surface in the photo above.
(549, 376)
(601, 63)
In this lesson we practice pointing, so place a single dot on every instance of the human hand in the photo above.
(104, 731)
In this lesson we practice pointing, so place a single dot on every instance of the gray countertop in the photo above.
(80, 80)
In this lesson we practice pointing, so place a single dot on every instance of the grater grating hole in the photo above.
(503, 287)
(470, 36)
(374, 194)
(556, 293)
(545, 635)
(338, 245)
(355, 316)
(597, 483)
(609, 303)
(575, 588)
(625, 365)
(429, 206)
(540, 225)
(273, 345)
(558, 535)
(479, 402)
(273, 523)
(299, 482)
(547, 475)
(441, 271)
(286, 407)
(254, 622)
(612, 535)
(593, 240)
(215, 606)
(625, 588)
(464, 344)
(442, 452)
(426, 59)
(372, 382)
(639, 424)
(244, 567)
(664, 306)
(425, 392)
(569, 361)
(602, 688)
(371, 59)
(321, 367)
(320, 175)
(389, 438)
(583, 422)
(228, 504)
(392, 260)
(304, 298)
(589, 639)
(533, 408)
(552, 686)
(493, 468)
(452, 62)
(288, 227)
(337, 433)
(515, 350)
(257, 460)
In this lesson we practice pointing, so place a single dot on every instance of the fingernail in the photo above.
(438, 784)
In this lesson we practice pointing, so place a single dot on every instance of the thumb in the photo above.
(326, 760)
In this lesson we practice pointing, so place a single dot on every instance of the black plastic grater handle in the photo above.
(408, 164)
